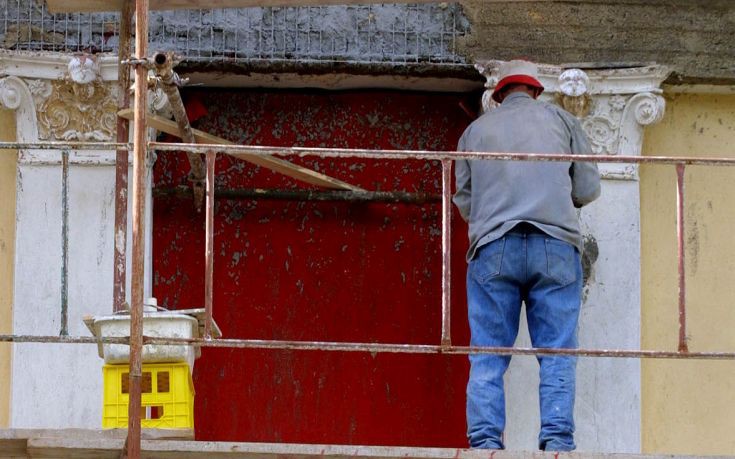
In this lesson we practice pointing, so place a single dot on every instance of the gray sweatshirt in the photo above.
(493, 196)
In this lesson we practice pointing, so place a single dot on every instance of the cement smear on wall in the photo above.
(392, 33)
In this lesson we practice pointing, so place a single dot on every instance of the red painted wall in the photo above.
(332, 271)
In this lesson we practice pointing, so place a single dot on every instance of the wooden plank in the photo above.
(98, 448)
(86, 6)
(109, 434)
(14, 442)
(275, 164)
(13, 447)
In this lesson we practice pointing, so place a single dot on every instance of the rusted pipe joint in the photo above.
(170, 82)
(164, 65)
(161, 59)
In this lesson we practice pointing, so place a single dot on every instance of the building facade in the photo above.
(366, 77)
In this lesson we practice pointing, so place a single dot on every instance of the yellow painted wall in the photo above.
(8, 163)
(688, 407)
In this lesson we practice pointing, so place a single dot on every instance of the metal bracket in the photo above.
(136, 62)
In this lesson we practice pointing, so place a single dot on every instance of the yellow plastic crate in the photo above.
(167, 396)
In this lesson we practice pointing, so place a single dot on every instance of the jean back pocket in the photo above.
(561, 261)
(487, 261)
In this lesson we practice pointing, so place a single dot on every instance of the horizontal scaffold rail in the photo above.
(371, 347)
(308, 195)
(435, 155)
(65, 146)
(257, 150)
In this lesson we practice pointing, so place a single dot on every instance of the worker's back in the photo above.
(540, 192)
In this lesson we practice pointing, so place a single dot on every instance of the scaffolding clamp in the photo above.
(136, 62)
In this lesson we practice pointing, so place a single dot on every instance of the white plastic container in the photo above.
(155, 324)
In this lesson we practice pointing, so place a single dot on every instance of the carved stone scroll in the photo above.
(16, 95)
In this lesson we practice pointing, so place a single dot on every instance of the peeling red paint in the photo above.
(334, 271)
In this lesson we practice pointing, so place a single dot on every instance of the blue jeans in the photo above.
(546, 274)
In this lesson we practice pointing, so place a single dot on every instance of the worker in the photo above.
(525, 246)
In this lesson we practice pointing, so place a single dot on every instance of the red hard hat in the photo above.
(516, 72)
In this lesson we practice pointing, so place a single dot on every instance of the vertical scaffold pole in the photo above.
(209, 245)
(121, 161)
(683, 347)
(138, 268)
(446, 251)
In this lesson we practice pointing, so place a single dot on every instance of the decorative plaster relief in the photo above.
(613, 105)
(80, 107)
(83, 69)
(40, 89)
(78, 112)
(62, 98)
(77, 107)
(573, 92)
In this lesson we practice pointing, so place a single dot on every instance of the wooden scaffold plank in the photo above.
(275, 164)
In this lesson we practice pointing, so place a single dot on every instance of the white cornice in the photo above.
(50, 66)
(607, 81)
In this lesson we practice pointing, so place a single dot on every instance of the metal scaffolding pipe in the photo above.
(169, 82)
(446, 339)
(374, 347)
(309, 195)
(375, 154)
(209, 246)
(59, 145)
(120, 241)
(138, 269)
(257, 150)
(683, 347)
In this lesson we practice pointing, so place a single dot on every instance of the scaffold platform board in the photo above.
(102, 444)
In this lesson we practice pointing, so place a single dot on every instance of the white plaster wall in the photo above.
(607, 411)
(60, 386)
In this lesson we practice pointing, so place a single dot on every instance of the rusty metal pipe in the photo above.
(120, 240)
(209, 247)
(257, 150)
(373, 347)
(683, 347)
(5, 146)
(309, 195)
(169, 82)
(138, 269)
(376, 154)
(446, 339)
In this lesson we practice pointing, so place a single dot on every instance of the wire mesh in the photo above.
(404, 33)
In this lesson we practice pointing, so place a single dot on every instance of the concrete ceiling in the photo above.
(695, 38)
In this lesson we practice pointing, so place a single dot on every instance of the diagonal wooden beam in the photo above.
(270, 162)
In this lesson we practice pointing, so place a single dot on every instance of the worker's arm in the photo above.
(462, 175)
(585, 176)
